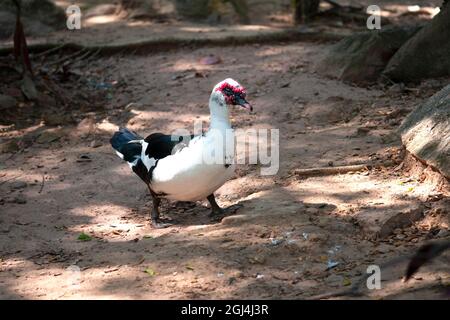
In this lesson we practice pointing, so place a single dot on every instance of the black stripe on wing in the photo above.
(161, 145)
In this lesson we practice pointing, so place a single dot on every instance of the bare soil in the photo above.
(60, 182)
(276, 245)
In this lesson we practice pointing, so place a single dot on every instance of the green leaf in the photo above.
(150, 272)
(347, 282)
(148, 236)
(84, 237)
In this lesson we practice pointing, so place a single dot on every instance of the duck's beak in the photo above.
(240, 101)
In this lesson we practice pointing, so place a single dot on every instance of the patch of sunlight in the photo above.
(347, 188)
(101, 20)
(139, 23)
(63, 3)
(182, 65)
(134, 111)
(13, 175)
(435, 11)
(115, 230)
(105, 125)
(252, 28)
(269, 52)
(105, 211)
(20, 132)
(400, 9)
(178, 121)
(14, 262)
(414, 8)
(197, 227)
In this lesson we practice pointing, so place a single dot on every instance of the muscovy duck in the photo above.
(180, 167)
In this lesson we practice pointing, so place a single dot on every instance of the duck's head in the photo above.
(230, 92)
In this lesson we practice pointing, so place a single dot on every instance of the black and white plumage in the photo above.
(173, 166)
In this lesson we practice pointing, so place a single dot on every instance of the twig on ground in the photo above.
(42, 184)
(79, 58)
(339, 169)
(95, 54)
(64, 59)
(50, 51)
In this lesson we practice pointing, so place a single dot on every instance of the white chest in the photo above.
(197, 170)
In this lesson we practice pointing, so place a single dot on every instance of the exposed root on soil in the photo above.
(164, 44)
(340, 169)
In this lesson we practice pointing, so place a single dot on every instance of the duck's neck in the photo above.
(219, 118)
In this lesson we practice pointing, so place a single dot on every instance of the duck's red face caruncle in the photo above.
(234, 95)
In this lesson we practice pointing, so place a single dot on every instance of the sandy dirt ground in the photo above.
(74, 220)
(276, 245)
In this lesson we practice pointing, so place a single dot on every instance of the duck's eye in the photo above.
(228, 91)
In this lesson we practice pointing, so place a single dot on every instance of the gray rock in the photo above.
(426, 55)
(361, 58)
(426, 132)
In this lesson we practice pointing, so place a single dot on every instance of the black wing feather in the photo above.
(161, 145)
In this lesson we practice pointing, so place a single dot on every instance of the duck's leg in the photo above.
(156, 223)
(215, 209)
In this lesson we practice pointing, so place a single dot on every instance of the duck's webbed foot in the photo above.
(158, 224)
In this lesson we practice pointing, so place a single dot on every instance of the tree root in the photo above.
(340, 169)
(158, 45)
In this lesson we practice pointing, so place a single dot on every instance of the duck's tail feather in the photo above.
(127, 144)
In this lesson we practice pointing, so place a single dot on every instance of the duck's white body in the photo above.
(186, 176)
